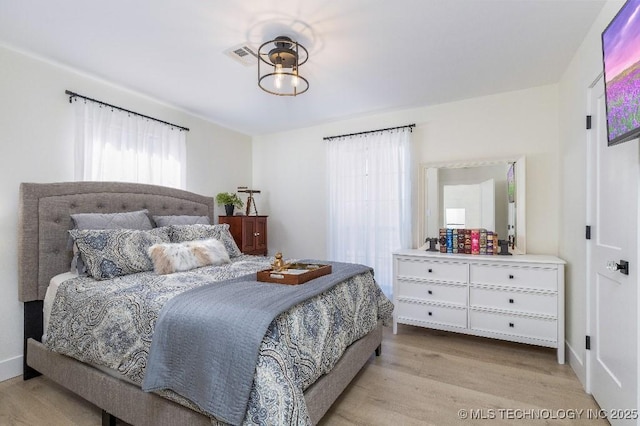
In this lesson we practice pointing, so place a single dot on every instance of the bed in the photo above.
(44, 221)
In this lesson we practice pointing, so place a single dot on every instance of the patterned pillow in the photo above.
(181, 233)
(176, 257)
(123, 220)
(180, 220)
(109, 253)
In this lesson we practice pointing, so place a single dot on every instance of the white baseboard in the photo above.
(577, 365)
(10, 368)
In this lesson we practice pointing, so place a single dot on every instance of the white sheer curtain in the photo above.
(113, 145)
(370, 199)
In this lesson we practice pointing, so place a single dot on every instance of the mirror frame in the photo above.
(520, 178)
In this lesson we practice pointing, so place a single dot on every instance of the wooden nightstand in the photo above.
(249, 232)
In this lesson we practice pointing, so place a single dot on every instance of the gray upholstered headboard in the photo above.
(44, 219)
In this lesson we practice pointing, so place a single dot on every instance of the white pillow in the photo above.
(168, 258)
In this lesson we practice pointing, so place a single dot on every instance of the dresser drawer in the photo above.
(433, 292)
(432, 270)
(514, 325)
(535, 303)
(451, 316)
(514, 276)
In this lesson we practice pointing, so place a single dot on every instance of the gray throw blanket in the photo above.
(206, 341)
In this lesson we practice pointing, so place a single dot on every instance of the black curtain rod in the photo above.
(75, 95)
(328, 138)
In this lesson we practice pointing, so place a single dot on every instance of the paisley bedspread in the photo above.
(110, 324)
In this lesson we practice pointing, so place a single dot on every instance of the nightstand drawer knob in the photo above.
(510, 276)
(510, 300)
(429, 291)
(430, 313)
(512, 325)
(430, 270)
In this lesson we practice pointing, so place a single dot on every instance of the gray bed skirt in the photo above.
(129, 403)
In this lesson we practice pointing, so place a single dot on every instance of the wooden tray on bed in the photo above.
(297, 273)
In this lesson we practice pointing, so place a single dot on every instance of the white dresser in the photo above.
(518, 298)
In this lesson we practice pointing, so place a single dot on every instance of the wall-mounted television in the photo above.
(621, 59)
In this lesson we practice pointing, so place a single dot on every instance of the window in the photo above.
(370, 200)
(454, 218)
(115, 145)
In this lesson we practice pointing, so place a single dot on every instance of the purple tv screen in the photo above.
(621, 57)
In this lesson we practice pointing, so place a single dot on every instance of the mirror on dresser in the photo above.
(483, 194)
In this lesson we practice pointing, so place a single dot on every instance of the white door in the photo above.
(613, 297)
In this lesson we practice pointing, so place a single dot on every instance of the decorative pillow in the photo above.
(181, 220)
(168, 258)
(124, 220)
(181, 233)
(109, 253)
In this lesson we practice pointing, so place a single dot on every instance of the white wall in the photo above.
(583, 70)
(290, 169)
(36, 139)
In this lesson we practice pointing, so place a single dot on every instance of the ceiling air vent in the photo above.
(243, 53)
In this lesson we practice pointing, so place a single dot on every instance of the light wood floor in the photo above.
(423, 377)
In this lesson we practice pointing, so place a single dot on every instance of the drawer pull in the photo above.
(430, 313)
(429, 291)
(512, 325)
(430, 270)
(510, 276)
(510, 300)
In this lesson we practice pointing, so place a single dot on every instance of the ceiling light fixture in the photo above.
(279, 67)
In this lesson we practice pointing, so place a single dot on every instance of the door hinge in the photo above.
(588, 343)
(588, 122)
(587, 233)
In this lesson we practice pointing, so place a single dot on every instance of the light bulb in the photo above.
(278, 79)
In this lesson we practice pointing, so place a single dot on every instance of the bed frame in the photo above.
(44, 219)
